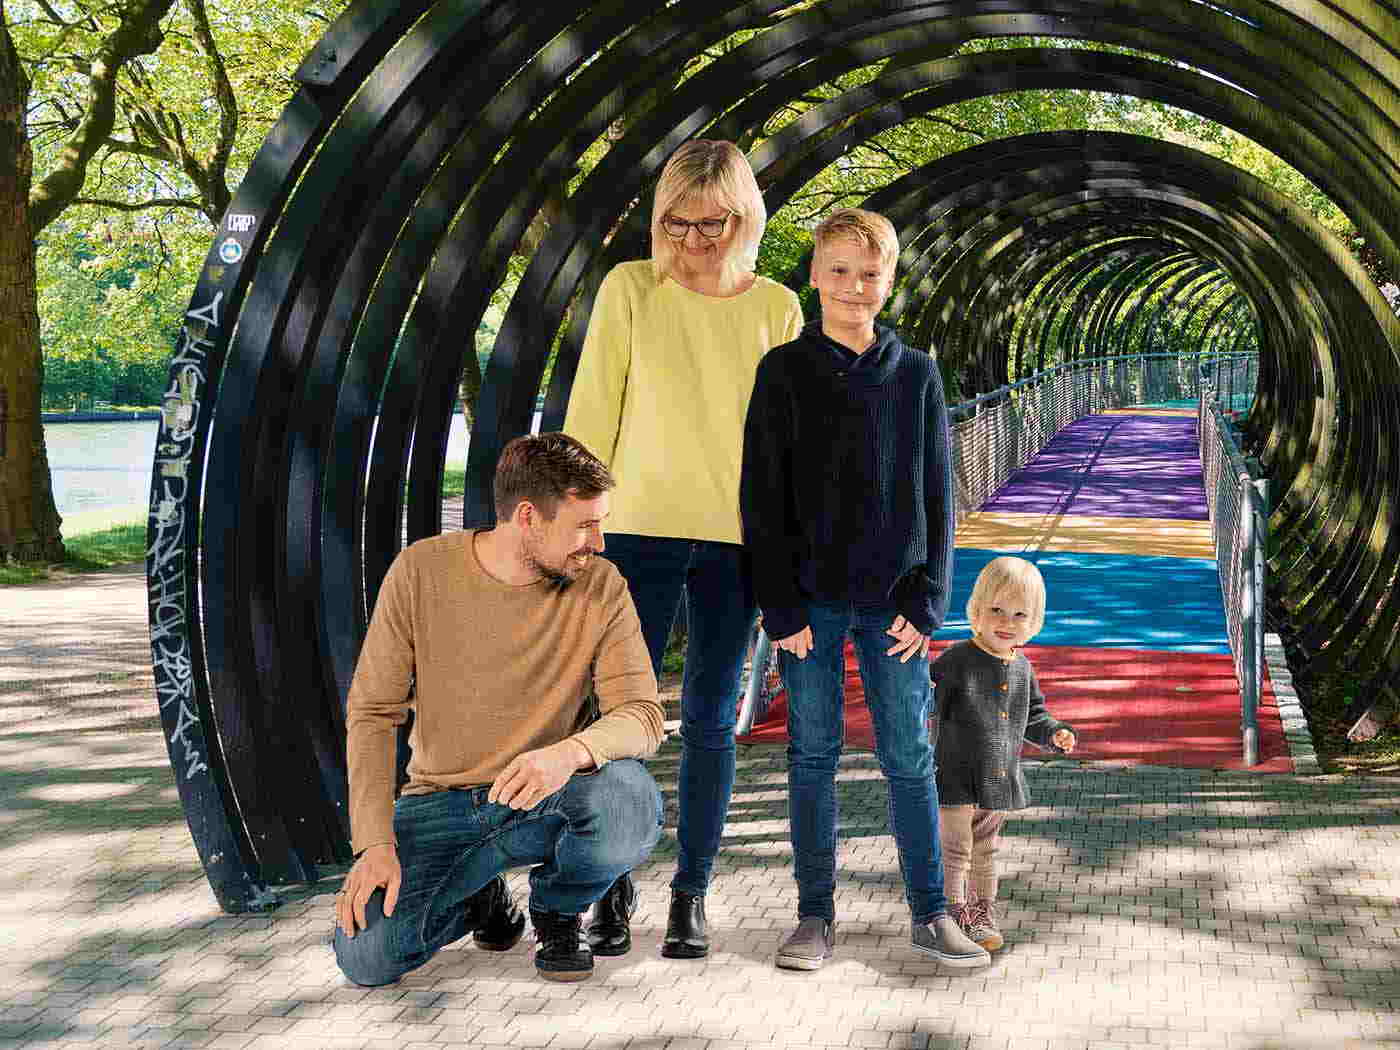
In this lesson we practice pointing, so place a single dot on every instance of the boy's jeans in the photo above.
(721, 608)
(897, 695)
(452, 843)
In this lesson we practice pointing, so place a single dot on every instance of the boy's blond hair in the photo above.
(869, 228)
(1008, 576)
(716, 169)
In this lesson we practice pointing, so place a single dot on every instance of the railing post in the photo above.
(750, 710)
(1256, 509)
(1249, 615)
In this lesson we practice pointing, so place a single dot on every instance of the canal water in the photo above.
(102, 471)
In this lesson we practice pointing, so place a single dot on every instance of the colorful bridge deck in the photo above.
(1134, 652)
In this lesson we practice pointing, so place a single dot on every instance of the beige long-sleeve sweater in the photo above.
(495, 670)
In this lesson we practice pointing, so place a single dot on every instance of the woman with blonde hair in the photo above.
(660, 396)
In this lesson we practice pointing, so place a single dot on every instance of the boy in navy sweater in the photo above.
(847, 504)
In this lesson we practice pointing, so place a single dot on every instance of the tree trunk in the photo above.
(29, 521)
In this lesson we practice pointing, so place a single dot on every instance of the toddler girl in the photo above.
(987, 701)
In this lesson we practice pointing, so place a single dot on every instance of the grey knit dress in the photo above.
(983, 708)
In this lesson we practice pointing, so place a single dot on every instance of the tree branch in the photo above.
(875, 146)
(137, 33)
(214, 182)
(159, 202)
(53, 15)
(980, 136)
(116, 145)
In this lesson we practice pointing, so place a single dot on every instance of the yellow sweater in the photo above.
(496, 670)
(661, 393)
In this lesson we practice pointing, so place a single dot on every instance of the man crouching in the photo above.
(498, 638)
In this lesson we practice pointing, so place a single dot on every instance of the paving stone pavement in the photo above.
(1144, 906)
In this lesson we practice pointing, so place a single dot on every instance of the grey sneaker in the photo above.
(944, 940)
(809, 946)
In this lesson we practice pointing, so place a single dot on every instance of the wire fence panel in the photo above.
(1239, 522)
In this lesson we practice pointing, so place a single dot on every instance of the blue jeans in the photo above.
(452, 843)
(721, 613)
(897, 695)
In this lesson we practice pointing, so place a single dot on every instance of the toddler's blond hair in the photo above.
(1009, 577)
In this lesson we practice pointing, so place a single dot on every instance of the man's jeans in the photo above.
(721, 608)
(452, 843)
(897, 695)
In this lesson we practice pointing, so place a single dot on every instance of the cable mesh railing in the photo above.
(1239, 523)
(998, 433)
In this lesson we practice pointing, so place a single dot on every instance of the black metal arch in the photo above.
(313, 383)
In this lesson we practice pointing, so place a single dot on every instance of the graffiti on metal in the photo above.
(166, 579)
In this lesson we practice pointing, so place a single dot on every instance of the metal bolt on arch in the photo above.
(312, 387)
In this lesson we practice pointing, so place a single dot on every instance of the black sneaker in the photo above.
(610, 932)
(496, 923)
(560, 951)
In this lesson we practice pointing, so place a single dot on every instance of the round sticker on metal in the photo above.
(230, 251)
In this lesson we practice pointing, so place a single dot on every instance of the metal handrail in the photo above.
(999, 432)
(1238, 503)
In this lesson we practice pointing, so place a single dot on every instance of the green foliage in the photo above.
(1325, 698)
(783, 246)
(454, 482)
(115, 275)
(111, 292)
(89, 552)
(113, 284)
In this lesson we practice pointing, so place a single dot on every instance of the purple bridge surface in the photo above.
(1112, 466)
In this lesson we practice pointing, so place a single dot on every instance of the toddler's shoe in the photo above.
(979, 922)
(943, 938)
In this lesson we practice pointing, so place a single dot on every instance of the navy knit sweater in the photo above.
(846, 490)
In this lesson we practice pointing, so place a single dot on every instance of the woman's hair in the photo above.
(1008, 577)
(710, 169)
(870, 229)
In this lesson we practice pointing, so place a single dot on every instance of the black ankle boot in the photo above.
(685, 927)
(560, 954)
(496, 923)
(610, 932)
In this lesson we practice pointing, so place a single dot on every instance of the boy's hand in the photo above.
(799, 644)
(910, 642)
(1064, 740)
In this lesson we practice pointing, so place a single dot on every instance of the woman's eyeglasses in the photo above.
(680, 228)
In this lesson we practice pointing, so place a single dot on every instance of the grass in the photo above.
(87, 552)
(454, 482)
(1325, 698)
(123, 544)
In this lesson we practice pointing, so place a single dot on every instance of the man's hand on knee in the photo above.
(533, 776)
(377, 867)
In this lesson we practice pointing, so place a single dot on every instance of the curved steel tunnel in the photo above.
(313, 384)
